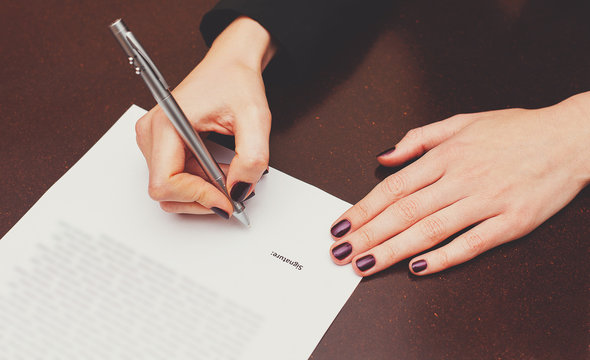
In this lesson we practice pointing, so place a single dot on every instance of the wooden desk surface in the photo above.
(65, 81)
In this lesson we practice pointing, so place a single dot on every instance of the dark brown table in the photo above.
(65, 81)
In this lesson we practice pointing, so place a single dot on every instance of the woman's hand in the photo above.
(224, 94)
(503, 172)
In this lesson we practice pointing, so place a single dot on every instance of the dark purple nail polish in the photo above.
(250, 196)
(265, 172)
(341, 251)
(365, 263)
(239, 191)
(341, 228)
(386, 152)
(419, 265)
(220, 212)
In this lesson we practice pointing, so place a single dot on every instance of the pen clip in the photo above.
(135, 45)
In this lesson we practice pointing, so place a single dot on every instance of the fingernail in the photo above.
(419, 265)
(340, 228)
(386, 152)
(239, 191)
(365, 263)
(220, 212)
(265, 172)
(342, 251)
(250, 196)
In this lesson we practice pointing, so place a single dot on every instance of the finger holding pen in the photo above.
(169, 183)
(251, 159)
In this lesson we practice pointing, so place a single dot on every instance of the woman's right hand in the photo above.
(224, 94)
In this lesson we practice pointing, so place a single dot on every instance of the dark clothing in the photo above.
(304, 30)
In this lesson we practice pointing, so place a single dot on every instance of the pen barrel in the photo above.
(154, 85)
(192, 140)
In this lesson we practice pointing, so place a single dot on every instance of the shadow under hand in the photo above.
(381, 172)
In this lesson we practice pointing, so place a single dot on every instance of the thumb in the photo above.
(251, 160)
(419, 140)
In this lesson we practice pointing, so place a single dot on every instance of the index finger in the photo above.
(405, 182)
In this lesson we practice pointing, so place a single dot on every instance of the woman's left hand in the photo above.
(503, 172)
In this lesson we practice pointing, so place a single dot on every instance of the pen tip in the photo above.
(242, 217)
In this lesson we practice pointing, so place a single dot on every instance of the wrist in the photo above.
(244, 41)
(576, 109)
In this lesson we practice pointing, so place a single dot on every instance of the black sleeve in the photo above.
(305, 30)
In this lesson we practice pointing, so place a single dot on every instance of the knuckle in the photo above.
(255, 161)
(159, 119)
(261, 112)
(415, 134)
(142, 130)
(264, 113)
(158, 191)
(158, 114)
(142, 126)
(407, 210)
(200, 195)
(522, 220)
(167, 207)
(224, 118)
(366, 238)
(455, 149)
(432, 228)
(391, 254)
(474, 243)
(444, 260)
(363, 211)
(394, 185)
(459, 117)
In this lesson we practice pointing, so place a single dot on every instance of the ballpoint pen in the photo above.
(154, 80)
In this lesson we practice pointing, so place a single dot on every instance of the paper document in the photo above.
(96, 270)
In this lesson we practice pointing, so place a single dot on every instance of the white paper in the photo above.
(96, 270)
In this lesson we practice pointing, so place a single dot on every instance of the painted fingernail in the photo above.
(250, 196)
(341, 228)
(220, 212)
(341, 251)
(265, 172)
(239, 191)
(419, 265)
(365, 263)
(386, 152)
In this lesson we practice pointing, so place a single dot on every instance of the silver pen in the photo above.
(154, 80)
